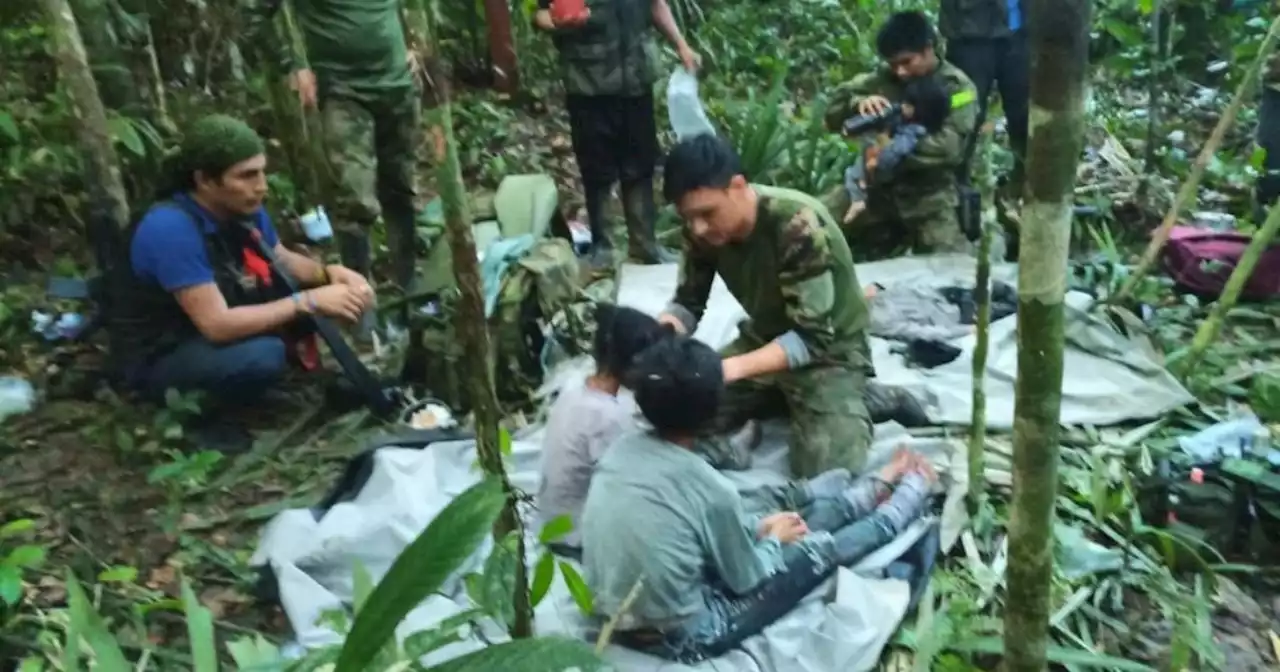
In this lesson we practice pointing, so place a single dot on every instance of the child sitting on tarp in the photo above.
(925, 107)
(713, 575)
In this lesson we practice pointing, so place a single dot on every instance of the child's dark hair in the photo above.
(621, 334)
(904, 32)
(701, 162)
(931, 104)
(678, 384)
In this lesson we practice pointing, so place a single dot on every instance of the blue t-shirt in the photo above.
(1015, 14)
(169, 249)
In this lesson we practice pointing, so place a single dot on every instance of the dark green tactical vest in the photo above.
(146, 322)
(613, 54)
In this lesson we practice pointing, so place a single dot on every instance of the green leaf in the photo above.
(16, 527)
(122, 130)
(527, 655)
(421, 569)
(10, 585)
(543, 575)
(32, 664)
(254, 654)
(497, 584)
(1146, 6)
(86, 621)
(504, 442)
(9, 127)
(444, 633)
(361, 586)
(25, 556)
(1258, 158)
(118, 574)
(200, 631)
(555, 529)
(577, 588)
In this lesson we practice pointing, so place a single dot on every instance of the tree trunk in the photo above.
(1207, 334)
(978, 421)
(502, 48)
(110, 70)
(1157, 64)
(472, 328)
(1187, 194)
(1059, 41)
(102, 168)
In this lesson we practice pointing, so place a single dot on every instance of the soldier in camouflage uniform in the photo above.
(918, 207)
(356, 68)
(1268, 188)
(610, 66)
(803, 348)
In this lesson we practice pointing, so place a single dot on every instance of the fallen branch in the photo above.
(1186, 195)
(606, 633)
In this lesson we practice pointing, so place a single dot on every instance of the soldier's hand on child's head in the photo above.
(873, 105)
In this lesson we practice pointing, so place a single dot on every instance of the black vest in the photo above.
(146, 321)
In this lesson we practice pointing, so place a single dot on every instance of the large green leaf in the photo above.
(422, 569)
(546, 654)
(86, 621)
(204, 651)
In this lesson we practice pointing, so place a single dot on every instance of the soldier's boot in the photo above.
(357, 255)
(402, 239)
(642, 214)
(889, 402)
(600, 256)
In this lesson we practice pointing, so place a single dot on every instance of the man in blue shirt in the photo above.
(987, 39)
(197, 308)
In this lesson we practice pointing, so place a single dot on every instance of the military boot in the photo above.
(642, 214)
(600, 256)
(402, 239)
(889, 402)
(354, 248)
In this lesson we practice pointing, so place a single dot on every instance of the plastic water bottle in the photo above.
(16, 396)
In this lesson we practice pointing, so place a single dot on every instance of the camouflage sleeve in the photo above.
(807, 282)
(845, 98)
(272, 45)
(945, 149)
(697, 273)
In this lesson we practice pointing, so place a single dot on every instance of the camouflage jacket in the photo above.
(960, 19)
(355, 48)
(925, 179)
(793, 273)
(613, 54)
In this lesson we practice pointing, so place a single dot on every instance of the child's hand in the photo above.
(854, 210)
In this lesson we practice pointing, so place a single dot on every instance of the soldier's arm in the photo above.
(697, 273)
(845, 98)
(542, 18)
(807, 284)
(273, 45)
(666, 24)
(945, 149)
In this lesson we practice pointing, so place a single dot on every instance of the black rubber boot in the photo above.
(357, 255)
(600, 256)
(642, 214)
(888, 402)
(402, 239)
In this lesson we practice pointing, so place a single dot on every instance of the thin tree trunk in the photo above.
(155, 83)
(978, 421)
(1059, 36)
(502, 48)
(1157, 64)
(472, 328)
(1208, 332)
(1187, 195)
(115, 82)
(102, 168)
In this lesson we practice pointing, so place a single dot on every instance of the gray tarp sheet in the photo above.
(844, 625)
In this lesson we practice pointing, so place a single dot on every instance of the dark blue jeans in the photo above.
(231, 373)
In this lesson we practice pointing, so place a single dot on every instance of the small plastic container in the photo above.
(316, 226)
(684, 108)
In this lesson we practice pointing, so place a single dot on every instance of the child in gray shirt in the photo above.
(710, 574)
(587, 418)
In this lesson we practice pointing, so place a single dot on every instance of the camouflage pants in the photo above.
(880, 231)
(830, 426)
(370, 153)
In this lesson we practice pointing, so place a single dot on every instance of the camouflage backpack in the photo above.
(541, 313)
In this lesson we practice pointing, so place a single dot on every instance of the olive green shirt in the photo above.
(793, 273)
(356, 47)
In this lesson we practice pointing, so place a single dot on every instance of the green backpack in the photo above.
(541, 315)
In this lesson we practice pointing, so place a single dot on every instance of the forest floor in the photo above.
(109, 486)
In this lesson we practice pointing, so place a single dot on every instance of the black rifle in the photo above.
(382, 399)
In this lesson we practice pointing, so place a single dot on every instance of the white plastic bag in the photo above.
(688, 118)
